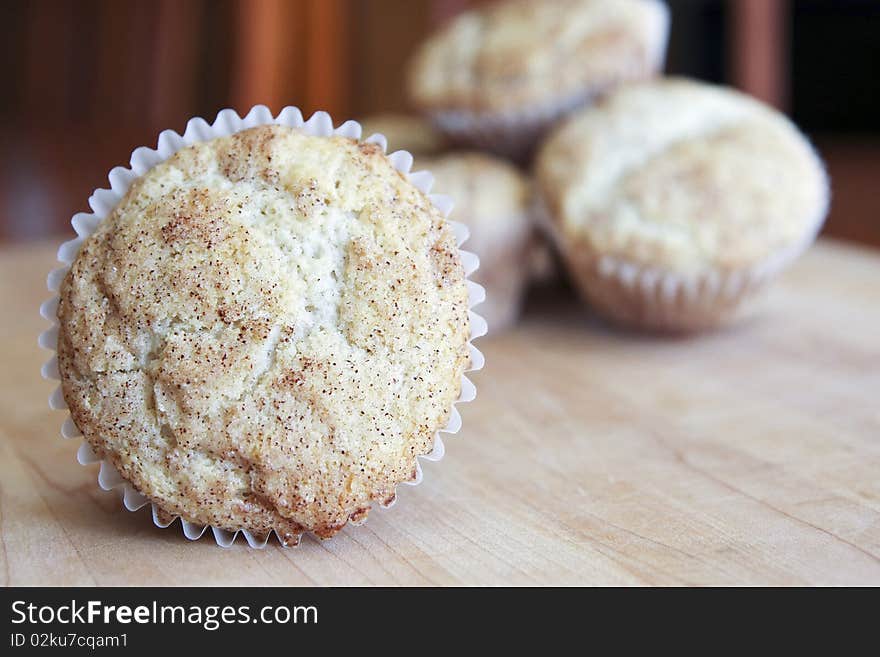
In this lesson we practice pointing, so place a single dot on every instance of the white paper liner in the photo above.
(102, 202)
(512, 133)
(657, 299)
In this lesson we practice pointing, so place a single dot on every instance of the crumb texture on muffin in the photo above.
(266, 332)
(516, 53)
(682, 176)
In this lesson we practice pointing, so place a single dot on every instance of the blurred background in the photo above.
(86, 81)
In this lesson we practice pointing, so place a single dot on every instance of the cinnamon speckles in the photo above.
(370, 149)
(266, 332)
(249, 154)
(196, 216)
(446, 263)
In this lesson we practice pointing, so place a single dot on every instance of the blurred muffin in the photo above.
(674, 201)
(405, 133)
(499, 76)
(492, 198)
(266, 332)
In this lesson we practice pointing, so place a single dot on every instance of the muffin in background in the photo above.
(498, 77)
(405, 132)
(492, 198)
(674, 201)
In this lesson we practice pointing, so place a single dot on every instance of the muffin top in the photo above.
(266, 332)
(684, 176)
(518, 53)
(404, 133)
(491, 198)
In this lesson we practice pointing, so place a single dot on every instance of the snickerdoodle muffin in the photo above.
(266, 332)
(673, 201)
(497, 77)
(492, 198)
(405, 132)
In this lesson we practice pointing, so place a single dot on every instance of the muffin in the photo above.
(492, 198)
(674, 201)
(497, 77)
(265, 332)
(405, 132)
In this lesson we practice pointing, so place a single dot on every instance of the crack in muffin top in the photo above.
(266, 332)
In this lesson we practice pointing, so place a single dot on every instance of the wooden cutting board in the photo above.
(591, 456)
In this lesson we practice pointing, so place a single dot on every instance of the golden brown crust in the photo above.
(266, 332)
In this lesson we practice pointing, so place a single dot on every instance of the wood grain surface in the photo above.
(591, 456)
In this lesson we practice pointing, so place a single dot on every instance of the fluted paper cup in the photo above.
(657, 299)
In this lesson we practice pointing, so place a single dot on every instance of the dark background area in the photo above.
(86, 81)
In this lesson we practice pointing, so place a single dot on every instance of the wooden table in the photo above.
(749, 456)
